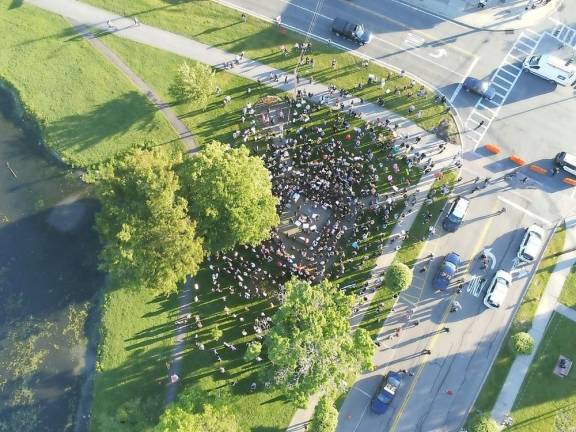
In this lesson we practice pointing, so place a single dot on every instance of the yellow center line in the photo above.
(416, 376)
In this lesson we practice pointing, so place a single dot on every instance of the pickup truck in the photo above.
(356, 32)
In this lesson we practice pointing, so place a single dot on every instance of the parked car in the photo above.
(446, 271)
(356, 32)
(456, 214)
(497, 289)
(386, 392)
(554, 69)
(531, 243)
(567, 162)
(480, 87)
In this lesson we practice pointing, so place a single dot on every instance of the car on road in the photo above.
(552, 68)
(355, 32)
(456, 214)
(446, 271)
(386, 392)
(567, 162)
(531, 243)
(482, 88)
(497, 289)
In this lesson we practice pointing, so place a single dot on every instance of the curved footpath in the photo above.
(90, 16)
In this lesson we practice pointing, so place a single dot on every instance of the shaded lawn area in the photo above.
(89, 110)
(158, 69)
(568, 295)
(547, 402)
(221, 27)
(408, 253)
(522, 322)
(137, 331)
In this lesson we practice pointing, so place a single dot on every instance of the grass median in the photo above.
(87, 109)
(214, 24)
(522, 322)
(547, 402)
(568, 295)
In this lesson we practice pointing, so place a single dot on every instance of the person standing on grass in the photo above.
(333, 64)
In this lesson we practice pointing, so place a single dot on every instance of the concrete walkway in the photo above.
(546, 308)
(498, 15)
(566, 311)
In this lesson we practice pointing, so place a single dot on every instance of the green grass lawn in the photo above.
(158, 69)
(137, 331)
(546, 402)
(522, 322)
(408, 253)
(219, 26)
(568, 295)
(89, 110)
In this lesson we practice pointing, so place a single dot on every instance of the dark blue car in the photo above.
(479, 87)
(446, 272)
(385, 393)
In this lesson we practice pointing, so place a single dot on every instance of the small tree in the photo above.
(522, 343)
(216, 334)
(194, 83)
(253, 350)
(483, 423)
(399, 276)
(325, 416)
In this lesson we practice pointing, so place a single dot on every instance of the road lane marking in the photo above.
(522, 209)
(363, 392)
(472, 65)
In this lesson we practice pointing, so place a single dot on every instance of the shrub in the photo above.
(325, 416)
(252, 351)
(399, 276)
(216, 334)
(483, 423)
(522, 343)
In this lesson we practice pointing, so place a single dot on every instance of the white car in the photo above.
(531, 243)
(497, 289)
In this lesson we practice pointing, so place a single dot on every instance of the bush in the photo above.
(216, 334)
(522, 343)
(252, 351)
(399, 276)
(325, 416)
(483, 423)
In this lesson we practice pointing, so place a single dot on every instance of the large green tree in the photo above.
(147, 236)
(211, 419)
(194, 83)
(229, 193)
(311, 346)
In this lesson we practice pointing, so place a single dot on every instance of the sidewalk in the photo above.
(498, 15)
(546, 308)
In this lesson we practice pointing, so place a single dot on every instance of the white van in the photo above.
(551, 68)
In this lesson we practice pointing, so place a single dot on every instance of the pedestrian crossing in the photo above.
(564, 33)
(503, 80)
(414, 41)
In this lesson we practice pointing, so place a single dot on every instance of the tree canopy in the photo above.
(229, 193)
(325, 416)
(311, 346)
(147, 236)
(178, 419)
(194, 83)
(399, 276)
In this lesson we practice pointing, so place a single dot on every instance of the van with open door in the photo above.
(551, 68)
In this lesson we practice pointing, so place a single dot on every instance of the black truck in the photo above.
(356, 32)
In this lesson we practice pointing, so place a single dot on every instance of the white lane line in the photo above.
(425, 12)
(513, 66)
(468, 72)
(522, 209)
(498, 85)
(501, 77)
(363, 392)
(484, 107)
(361, 417)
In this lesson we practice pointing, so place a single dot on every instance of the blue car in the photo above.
(385, 393)
(446, 272)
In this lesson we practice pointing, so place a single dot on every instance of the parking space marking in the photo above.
(475, 286)
(564, 33)
(522, 209)
(507, 74)
(362, 391)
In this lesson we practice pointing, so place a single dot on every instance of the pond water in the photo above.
(48, 280)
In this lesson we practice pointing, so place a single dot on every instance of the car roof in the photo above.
(453, 258)
(534, 241)
(569, 159)
(499, 293)
(460, 206)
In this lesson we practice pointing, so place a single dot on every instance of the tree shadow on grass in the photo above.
(15, 4)
(110, 119)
